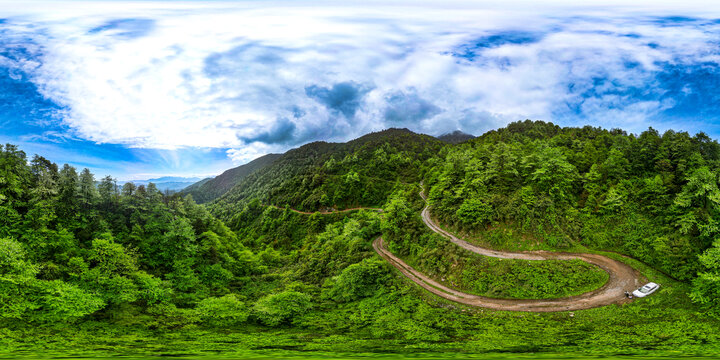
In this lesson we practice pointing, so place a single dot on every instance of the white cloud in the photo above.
(247, 153)
(220, 74)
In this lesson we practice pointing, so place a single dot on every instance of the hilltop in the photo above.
(455, 137)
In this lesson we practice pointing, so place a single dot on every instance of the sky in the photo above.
(142, 89)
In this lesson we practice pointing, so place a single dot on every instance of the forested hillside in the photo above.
(210, 189)
(86, 265)
(319, 175)
(654, 196)
(69, 248)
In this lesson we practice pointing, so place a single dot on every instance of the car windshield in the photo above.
(646, 289)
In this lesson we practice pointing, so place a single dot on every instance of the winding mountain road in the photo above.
(325, 212)
(622, 277)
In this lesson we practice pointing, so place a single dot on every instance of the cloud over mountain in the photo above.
(250, 78)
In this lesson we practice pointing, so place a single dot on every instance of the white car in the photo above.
(646, 290)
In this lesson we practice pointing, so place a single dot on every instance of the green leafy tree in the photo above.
(128, 189)
(616, 166)
(14, 183)
(87, 191)
(111, 271)
(13, 262)
(706, 287)
(503, 167)
(63, 302)
(68, 205)
(17, 276)
(475, 212)
(226, 311)
(359, 280)
(698, 203)
(553, 174)
(22, 296)
(280, 309)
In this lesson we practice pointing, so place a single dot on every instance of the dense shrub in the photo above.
(223, 311)
(359, 280)
(282, 308)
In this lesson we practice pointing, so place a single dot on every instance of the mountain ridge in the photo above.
(308, 172)
(166, 183)
(456, 137)
(209, 189)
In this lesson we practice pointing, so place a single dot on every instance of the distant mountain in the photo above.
(172, 183)
(209, 189)
(455, 137)
(166, 179)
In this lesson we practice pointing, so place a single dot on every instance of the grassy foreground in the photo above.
(285, 344)
(262, 355)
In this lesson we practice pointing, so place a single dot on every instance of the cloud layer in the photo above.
(257, 77)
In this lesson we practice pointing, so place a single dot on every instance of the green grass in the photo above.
(537, 336)
(274, 355)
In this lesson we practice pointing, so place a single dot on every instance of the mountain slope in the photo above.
(210, 189)
(320, 175)
(603, 189)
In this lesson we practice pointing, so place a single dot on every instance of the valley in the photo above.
(329, 247)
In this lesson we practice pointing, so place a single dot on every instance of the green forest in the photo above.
(87, 266)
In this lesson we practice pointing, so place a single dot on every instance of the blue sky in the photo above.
(150, 88)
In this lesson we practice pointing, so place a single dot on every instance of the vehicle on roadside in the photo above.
(646, 289)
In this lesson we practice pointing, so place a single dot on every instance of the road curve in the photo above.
(622, 277)
(325, 212)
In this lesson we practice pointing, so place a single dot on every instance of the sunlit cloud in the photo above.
(251, 78)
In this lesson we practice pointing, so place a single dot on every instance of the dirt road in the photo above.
(325, 212)
(622, 277)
